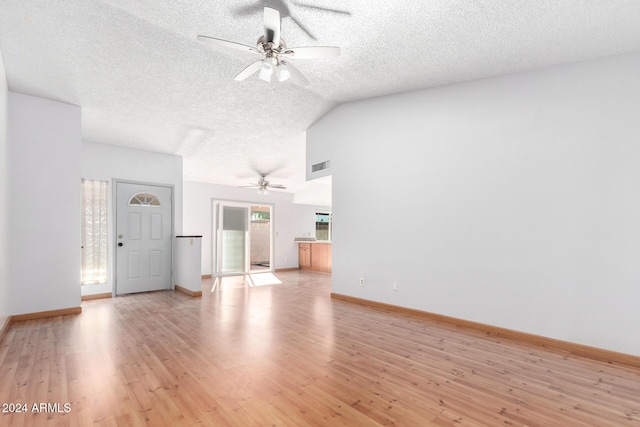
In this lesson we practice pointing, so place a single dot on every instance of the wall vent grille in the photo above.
(320, 166)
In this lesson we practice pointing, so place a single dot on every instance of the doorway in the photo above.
(144, 242)
(260, 238)
(242, 238)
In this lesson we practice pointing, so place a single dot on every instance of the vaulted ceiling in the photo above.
(144, 81)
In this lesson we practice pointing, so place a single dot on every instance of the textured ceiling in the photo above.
(143, 80)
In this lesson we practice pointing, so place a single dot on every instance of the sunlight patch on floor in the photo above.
(263, 279)
(250, 280)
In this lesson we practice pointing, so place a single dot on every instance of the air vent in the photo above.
(320, 166)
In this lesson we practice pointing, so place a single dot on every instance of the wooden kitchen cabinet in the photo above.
(315, 257)
(304, 256)
(319, 257)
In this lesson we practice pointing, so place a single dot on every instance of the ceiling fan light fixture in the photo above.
(283, 73)
(266, 70)
(263, 191)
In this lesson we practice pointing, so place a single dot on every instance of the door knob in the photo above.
(120, 244)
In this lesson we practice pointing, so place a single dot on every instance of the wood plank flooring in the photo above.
(289, 355)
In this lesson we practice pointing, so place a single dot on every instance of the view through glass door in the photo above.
(260, 238)
(243, 238)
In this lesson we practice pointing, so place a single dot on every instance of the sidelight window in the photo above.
(94, 268)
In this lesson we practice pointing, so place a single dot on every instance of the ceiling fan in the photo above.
(263, 185)
(274, 52)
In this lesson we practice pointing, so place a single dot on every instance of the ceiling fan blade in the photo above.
(261, 168)
(302, 27)
(296, 75)
(251, 69)
(228, 44)
(307, 52)
(324, 9)
(280, 186)
(249, 186)
(271, 26)
(248, 10)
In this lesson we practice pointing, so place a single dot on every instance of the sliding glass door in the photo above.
(243, 238)
(232, 238)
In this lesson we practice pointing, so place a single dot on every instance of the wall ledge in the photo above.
(195, 294)
(581, 350)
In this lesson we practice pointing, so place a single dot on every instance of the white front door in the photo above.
(143, 238)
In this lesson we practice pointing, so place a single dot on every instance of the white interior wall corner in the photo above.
(44, 202)
(4, 194)
(510, 201)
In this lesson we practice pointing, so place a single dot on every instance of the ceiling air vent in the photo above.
(320, 166)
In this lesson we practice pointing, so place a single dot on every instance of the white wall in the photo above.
(107, 162)
(198, 198)
(44, 186)
(305, 220)
(512, 201)
(4, 196)
(316, 192)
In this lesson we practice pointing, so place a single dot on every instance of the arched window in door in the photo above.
(144, 199)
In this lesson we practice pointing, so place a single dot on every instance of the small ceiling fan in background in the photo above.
(263, 185)
(274, 53)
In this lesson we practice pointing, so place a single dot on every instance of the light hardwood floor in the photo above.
(288, 355)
